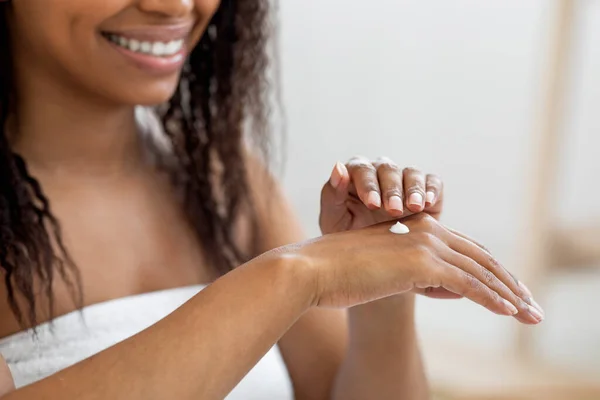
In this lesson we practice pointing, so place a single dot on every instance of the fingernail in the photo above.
(525, 288)
(374, 199)
(535, 313)
(510, 307)
(429, 197)
(537, 306)
(395, 203)
(416, 199)
(336, 176)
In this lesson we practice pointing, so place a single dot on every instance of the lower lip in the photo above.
(153, 64)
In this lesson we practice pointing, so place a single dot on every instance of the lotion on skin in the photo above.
(399, 229)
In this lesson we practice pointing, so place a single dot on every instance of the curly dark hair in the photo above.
(222, 89)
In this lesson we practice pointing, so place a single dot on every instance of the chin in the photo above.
(153, 96)
(151, 93)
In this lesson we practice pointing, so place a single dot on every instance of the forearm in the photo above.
(383, 359)
(202, 350)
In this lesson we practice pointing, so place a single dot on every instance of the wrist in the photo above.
(298, 272)
(398, 309)
(382, 327)
(404, 301)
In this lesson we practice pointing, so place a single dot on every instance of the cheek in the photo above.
(59, 32)
(207, 7)
(61, 22)
(205, 10)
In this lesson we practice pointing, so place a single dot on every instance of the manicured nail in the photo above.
(535, 313)
(336, 176)
(525, 288)
(374, 199)
(415, 199)
(395, 203)
(429, 197)
(510, 307)
(537, 306)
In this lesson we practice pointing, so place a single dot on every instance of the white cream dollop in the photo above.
(399, 229)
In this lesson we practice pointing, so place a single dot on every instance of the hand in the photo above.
(363, 193)
(361, 266)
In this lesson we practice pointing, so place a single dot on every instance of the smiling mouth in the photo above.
(152, 48)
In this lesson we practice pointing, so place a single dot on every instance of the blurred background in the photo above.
(459, 88)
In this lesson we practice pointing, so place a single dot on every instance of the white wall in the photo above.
(451, 86)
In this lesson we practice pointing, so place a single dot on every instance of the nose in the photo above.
(169, 8)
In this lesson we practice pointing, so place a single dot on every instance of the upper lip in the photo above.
(165, 33)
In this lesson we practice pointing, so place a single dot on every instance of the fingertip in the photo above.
(529, 315)
(343, 169)
(429, 199)
(523, 287)
(536, 314)
(395, 213)
(415, 202)
(510, 308)
(373, 199)
(336, 176)
(535, 304)
(415, 209)
(340, 178)
(395, 205)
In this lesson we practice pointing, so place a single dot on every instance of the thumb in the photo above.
(334, 196)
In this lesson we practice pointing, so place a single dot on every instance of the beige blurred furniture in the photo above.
(459, 374)
(545, 246)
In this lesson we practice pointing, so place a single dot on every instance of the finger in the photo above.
(333, 199)
(522, 311)
(444, 274)
(335, 191)
(463, 283)
(438, 293)
(524, 288)
(462, 235)
(433, 189)
(529, 296)
(373, 217)
(364, 177)
(390, 184)
(414, 189)
(489, 262)
(339, 182)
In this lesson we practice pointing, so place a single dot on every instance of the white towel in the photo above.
(105, 324)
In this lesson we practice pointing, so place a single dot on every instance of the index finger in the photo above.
(485, 259)
(364, 178)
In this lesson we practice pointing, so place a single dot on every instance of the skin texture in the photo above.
(74, 124)
(6, 380)
(222, 86)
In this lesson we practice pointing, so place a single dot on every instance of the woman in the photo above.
(100, 212)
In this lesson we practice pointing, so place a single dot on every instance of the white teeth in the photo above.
(146, 47)
(134, 45)
(158, 49)
(173, 47)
